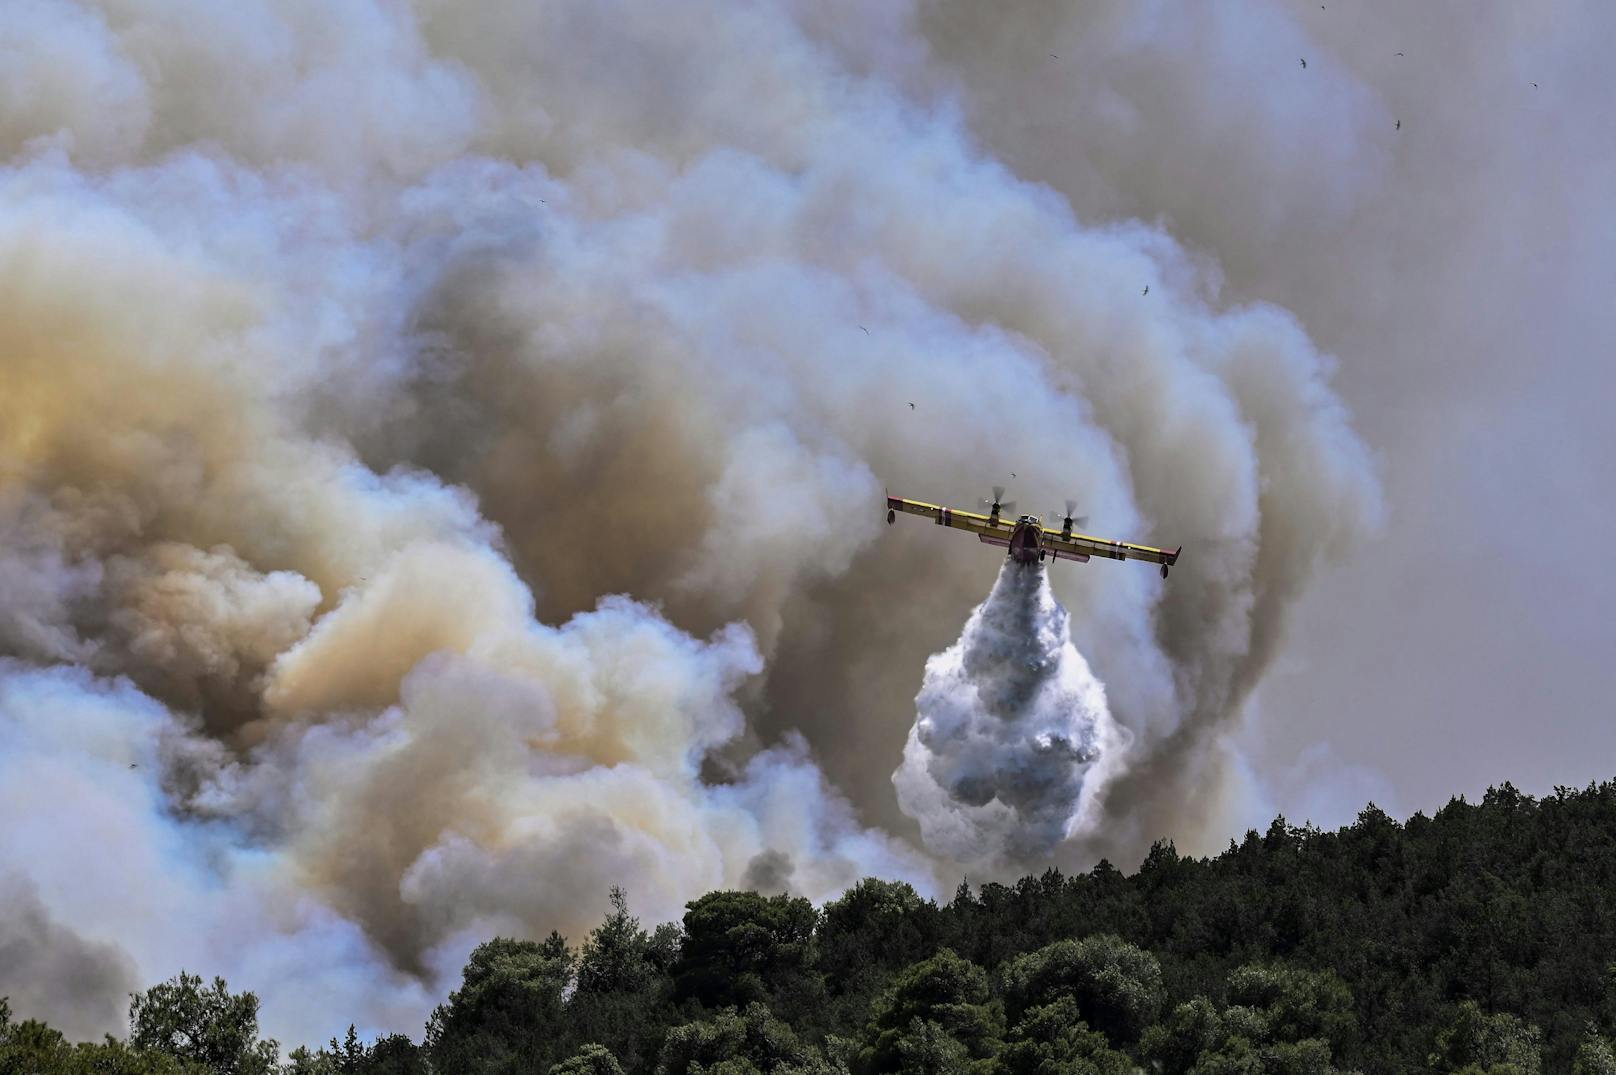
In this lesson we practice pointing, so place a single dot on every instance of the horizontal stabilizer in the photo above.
(986, 540)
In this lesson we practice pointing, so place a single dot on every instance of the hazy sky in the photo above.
(442, 446)
(1469, 644)
(1459, 270)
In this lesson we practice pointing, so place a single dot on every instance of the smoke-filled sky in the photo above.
(442, 446)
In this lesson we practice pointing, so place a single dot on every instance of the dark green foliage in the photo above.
(391, 1055)
(395, 1055)
(925, 1048)
(740, 948)
(1479, 941)
(1503, 902)
(1053, 1039)
(873, 931)
(1296, 1004)
(302, 1062)
(33, 1048)
(1116, 986)
(1497, 1044)
(1278, 1019)
(30, 1046)
(623, 995)
(1595, 1056)
(507, 1014)
(592, 1059)
(937, 1004)
(738, 1043)
(877, 927)
(210, 1027)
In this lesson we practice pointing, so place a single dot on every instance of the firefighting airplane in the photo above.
(1028, 541)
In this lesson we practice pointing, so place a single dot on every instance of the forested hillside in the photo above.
(1482, 939)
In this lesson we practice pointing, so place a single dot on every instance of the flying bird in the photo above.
(1534, 85)
(1304, 64)
(911, 406)
(1399, 125)
(866, 331)
(1146, 291)
(1399, 54)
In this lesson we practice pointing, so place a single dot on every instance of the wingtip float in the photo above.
(1025, 539)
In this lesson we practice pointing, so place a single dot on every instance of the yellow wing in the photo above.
(1085, 546)
(992, 526)
(995, 530)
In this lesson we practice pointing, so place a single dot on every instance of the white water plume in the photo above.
(1012, 737)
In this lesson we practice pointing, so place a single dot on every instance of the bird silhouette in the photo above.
(1146, 291)
(866, 331)
(1399, 54)
(1399, 125)
(911, 406)
(1534, 85)
(1304, 65)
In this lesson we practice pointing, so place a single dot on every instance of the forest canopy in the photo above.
(1480, 940)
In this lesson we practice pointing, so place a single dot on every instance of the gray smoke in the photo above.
(441, 453)
(1012, 734)
(769, 873)
(47, 971)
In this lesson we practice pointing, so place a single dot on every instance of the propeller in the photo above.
(1068, 521)
(999, 505)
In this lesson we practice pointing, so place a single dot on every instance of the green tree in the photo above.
(591, 1059)
(1595, 1055)
(208, 1026)
(1297, 1004)
(738, 1043)
(740, 947)
(624, 986)
(614, 958)
(1496, 1044)
(1116, 985)
(508, 1013)
(1053, 1039)
(926, 1048)
(302, 1062)
(31, 1046)
(396, 1054)
(875, 928)
(113, 1057)
(1279, 1020)
(944, 996)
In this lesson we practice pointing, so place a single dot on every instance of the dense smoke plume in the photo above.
(1010, 733)
(440, 465)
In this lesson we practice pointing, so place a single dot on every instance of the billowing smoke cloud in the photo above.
(440, 468)
(1010, 733)
(46, 967)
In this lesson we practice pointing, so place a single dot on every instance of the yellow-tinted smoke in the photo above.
(443, 452)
